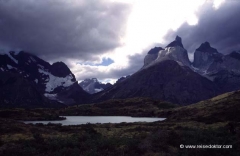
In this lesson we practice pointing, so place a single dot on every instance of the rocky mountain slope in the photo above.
(166, 80)
(167, 77)
(93, 85)
(48, 80)
(16, 91)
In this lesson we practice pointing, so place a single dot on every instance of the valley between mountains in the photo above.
(200, 101)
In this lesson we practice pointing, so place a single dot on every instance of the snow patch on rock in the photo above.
(36, 80)
(10, 67)
(40, 66)
(33, 59)
(174, 53)
(53, 82)
(98, 90)
(14, 60)
(52, 97)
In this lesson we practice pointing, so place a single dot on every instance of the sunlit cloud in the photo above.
(105, 39)
(147, 24)
(217, 3)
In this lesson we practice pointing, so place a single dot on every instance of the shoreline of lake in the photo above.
(78, 120)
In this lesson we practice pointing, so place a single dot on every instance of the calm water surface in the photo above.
(78, 120)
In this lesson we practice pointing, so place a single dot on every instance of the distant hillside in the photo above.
(120, 107)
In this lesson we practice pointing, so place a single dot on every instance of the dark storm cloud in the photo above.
(79, 29)
(135, 64)
(220, 27)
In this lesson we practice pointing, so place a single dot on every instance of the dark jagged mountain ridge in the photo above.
(122, 79)
(235, 55)
(221, 69)
(176, 42)
(49, 80)
(167, 77)
(206, 47)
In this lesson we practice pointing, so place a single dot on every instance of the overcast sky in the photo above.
(108, 39)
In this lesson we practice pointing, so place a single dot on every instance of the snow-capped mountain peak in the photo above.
(49, 77)
(92, 85)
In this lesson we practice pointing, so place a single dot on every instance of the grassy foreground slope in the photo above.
(225, 107)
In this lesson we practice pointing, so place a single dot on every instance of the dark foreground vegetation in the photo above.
(159, 138)
(211, 122)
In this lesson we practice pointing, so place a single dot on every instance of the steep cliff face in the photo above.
(205, 56)
(173, 51)
(177, 54)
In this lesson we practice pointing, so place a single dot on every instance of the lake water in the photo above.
(78, 120)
